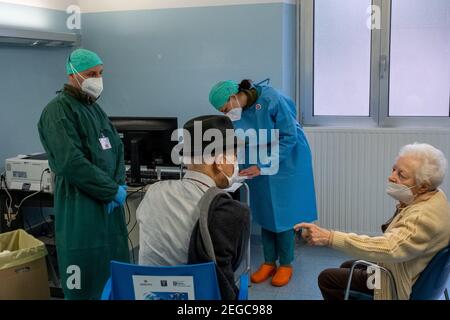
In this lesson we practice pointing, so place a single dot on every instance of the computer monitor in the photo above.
(147, 141)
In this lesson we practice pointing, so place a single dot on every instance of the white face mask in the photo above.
(235, 114)
(91, 86)
(234, 177)
(400, 192)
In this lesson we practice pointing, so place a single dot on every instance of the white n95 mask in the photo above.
(235, 114)
(93, 87)
(400, 192)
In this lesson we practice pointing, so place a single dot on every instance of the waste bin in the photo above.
(23, 270)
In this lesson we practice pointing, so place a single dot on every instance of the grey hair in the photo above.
(433, 164)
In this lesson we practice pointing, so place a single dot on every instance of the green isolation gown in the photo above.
(88, 174)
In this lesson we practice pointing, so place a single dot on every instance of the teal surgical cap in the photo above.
(81, 60)
(221, 92)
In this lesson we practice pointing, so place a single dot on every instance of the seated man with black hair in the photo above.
(193, 220)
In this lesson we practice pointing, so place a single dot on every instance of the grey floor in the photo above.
(308, 263)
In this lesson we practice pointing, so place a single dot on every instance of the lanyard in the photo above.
(267, 81)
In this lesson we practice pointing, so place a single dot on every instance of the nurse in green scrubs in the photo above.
(86, 154)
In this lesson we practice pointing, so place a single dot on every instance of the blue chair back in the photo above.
(433, 279)
(120, 285)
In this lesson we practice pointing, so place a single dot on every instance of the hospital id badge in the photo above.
(104, 141)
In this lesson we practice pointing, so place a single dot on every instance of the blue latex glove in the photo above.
(110, 207)
(126, 189)
(121, 195)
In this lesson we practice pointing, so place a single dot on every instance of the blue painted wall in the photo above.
(157, 62)
(163, 62)
(289, 35)
(29, 78)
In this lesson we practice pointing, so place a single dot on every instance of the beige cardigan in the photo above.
(414, 236)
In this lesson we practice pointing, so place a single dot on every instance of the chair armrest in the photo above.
(106, 294)
(243, 287)
(370, 264)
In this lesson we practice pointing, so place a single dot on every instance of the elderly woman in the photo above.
(419, 229)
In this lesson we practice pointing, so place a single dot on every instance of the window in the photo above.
(375, 62)
(341, 58)
(420, 58)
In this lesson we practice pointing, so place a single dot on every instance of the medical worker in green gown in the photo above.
(86, 154)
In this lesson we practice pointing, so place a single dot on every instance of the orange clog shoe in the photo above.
(282, 276)
(264, 272)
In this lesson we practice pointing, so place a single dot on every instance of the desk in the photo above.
(45, 200)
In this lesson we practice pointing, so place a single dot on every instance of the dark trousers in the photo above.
(333, 282)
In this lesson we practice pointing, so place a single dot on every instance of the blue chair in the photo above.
(433, 280)
(120, 285)
(430, 285)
